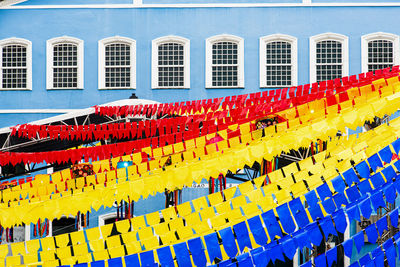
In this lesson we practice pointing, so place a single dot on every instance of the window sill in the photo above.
(56, 89)
(170, 88)
(15, 89)
(116, 88)
(276, 86)
(225, 87)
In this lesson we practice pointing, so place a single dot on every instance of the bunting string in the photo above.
(177, 177)
(260, 221)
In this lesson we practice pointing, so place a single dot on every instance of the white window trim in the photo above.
(328, 37)
(154, 60)
(104, 217)
(277, 38)
(102, 63)
(365, 39)
(49, 56)
(220, 38)
(28, 44)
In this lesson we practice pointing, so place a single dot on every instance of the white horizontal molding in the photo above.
(211, 5)
(36, 111)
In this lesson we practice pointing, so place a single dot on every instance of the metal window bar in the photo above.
(380, 54)
(278, 64)
(171, 65)
(329, 60)
(117, 66)
(225, 64)
(65, 65)
(14, 67)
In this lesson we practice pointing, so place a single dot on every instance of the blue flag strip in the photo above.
(352, 197)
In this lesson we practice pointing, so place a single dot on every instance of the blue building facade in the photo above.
(60, 55)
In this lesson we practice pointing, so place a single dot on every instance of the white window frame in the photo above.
(49, 55)
(28, 44)
(186, 60)
(277, 38)
(102, 63)
(328, 37)
(365, 39)
(104, 217)
(221, 38)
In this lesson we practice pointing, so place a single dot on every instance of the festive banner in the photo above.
(356, 188)
(293, 205)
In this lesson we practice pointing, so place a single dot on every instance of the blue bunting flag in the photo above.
(377, 200)
(165, 256)
(363, 169)
(386, 154)
(115, 262)
(257, 230)
(213, 248)
(289, 248)
(320, 261)
(242, 235)
(359, 240)
(372, 233)
(390, 194)
(348, 247)
(365, 187)
(340, 199)
(350, 176)
(389, 173)
(340, 221)
(331, 256)
(382, 225)
(338, 184)
(329, 205)
(375, 162)
(352, 193)
(131, 260)
(228, 241)
(365, 207)
(324, 191)
(182, 254)
(394, 217)
(354, 213)
(285, 217)
(197, 249)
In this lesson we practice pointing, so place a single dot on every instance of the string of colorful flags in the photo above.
(273, 216)
(180, 176)
(311, 233)
(144, 166)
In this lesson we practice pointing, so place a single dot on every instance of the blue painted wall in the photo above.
(87, 2)
(355, 1)
(72, 2)
(216, 1)
(196, 24)
(14, 118)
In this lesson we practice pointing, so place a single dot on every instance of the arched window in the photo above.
(16, 64)
(117, 63)
(224, 62)
(278, 61)
(65, 63)
(329, 57)
(170, 63)
(379, 50)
